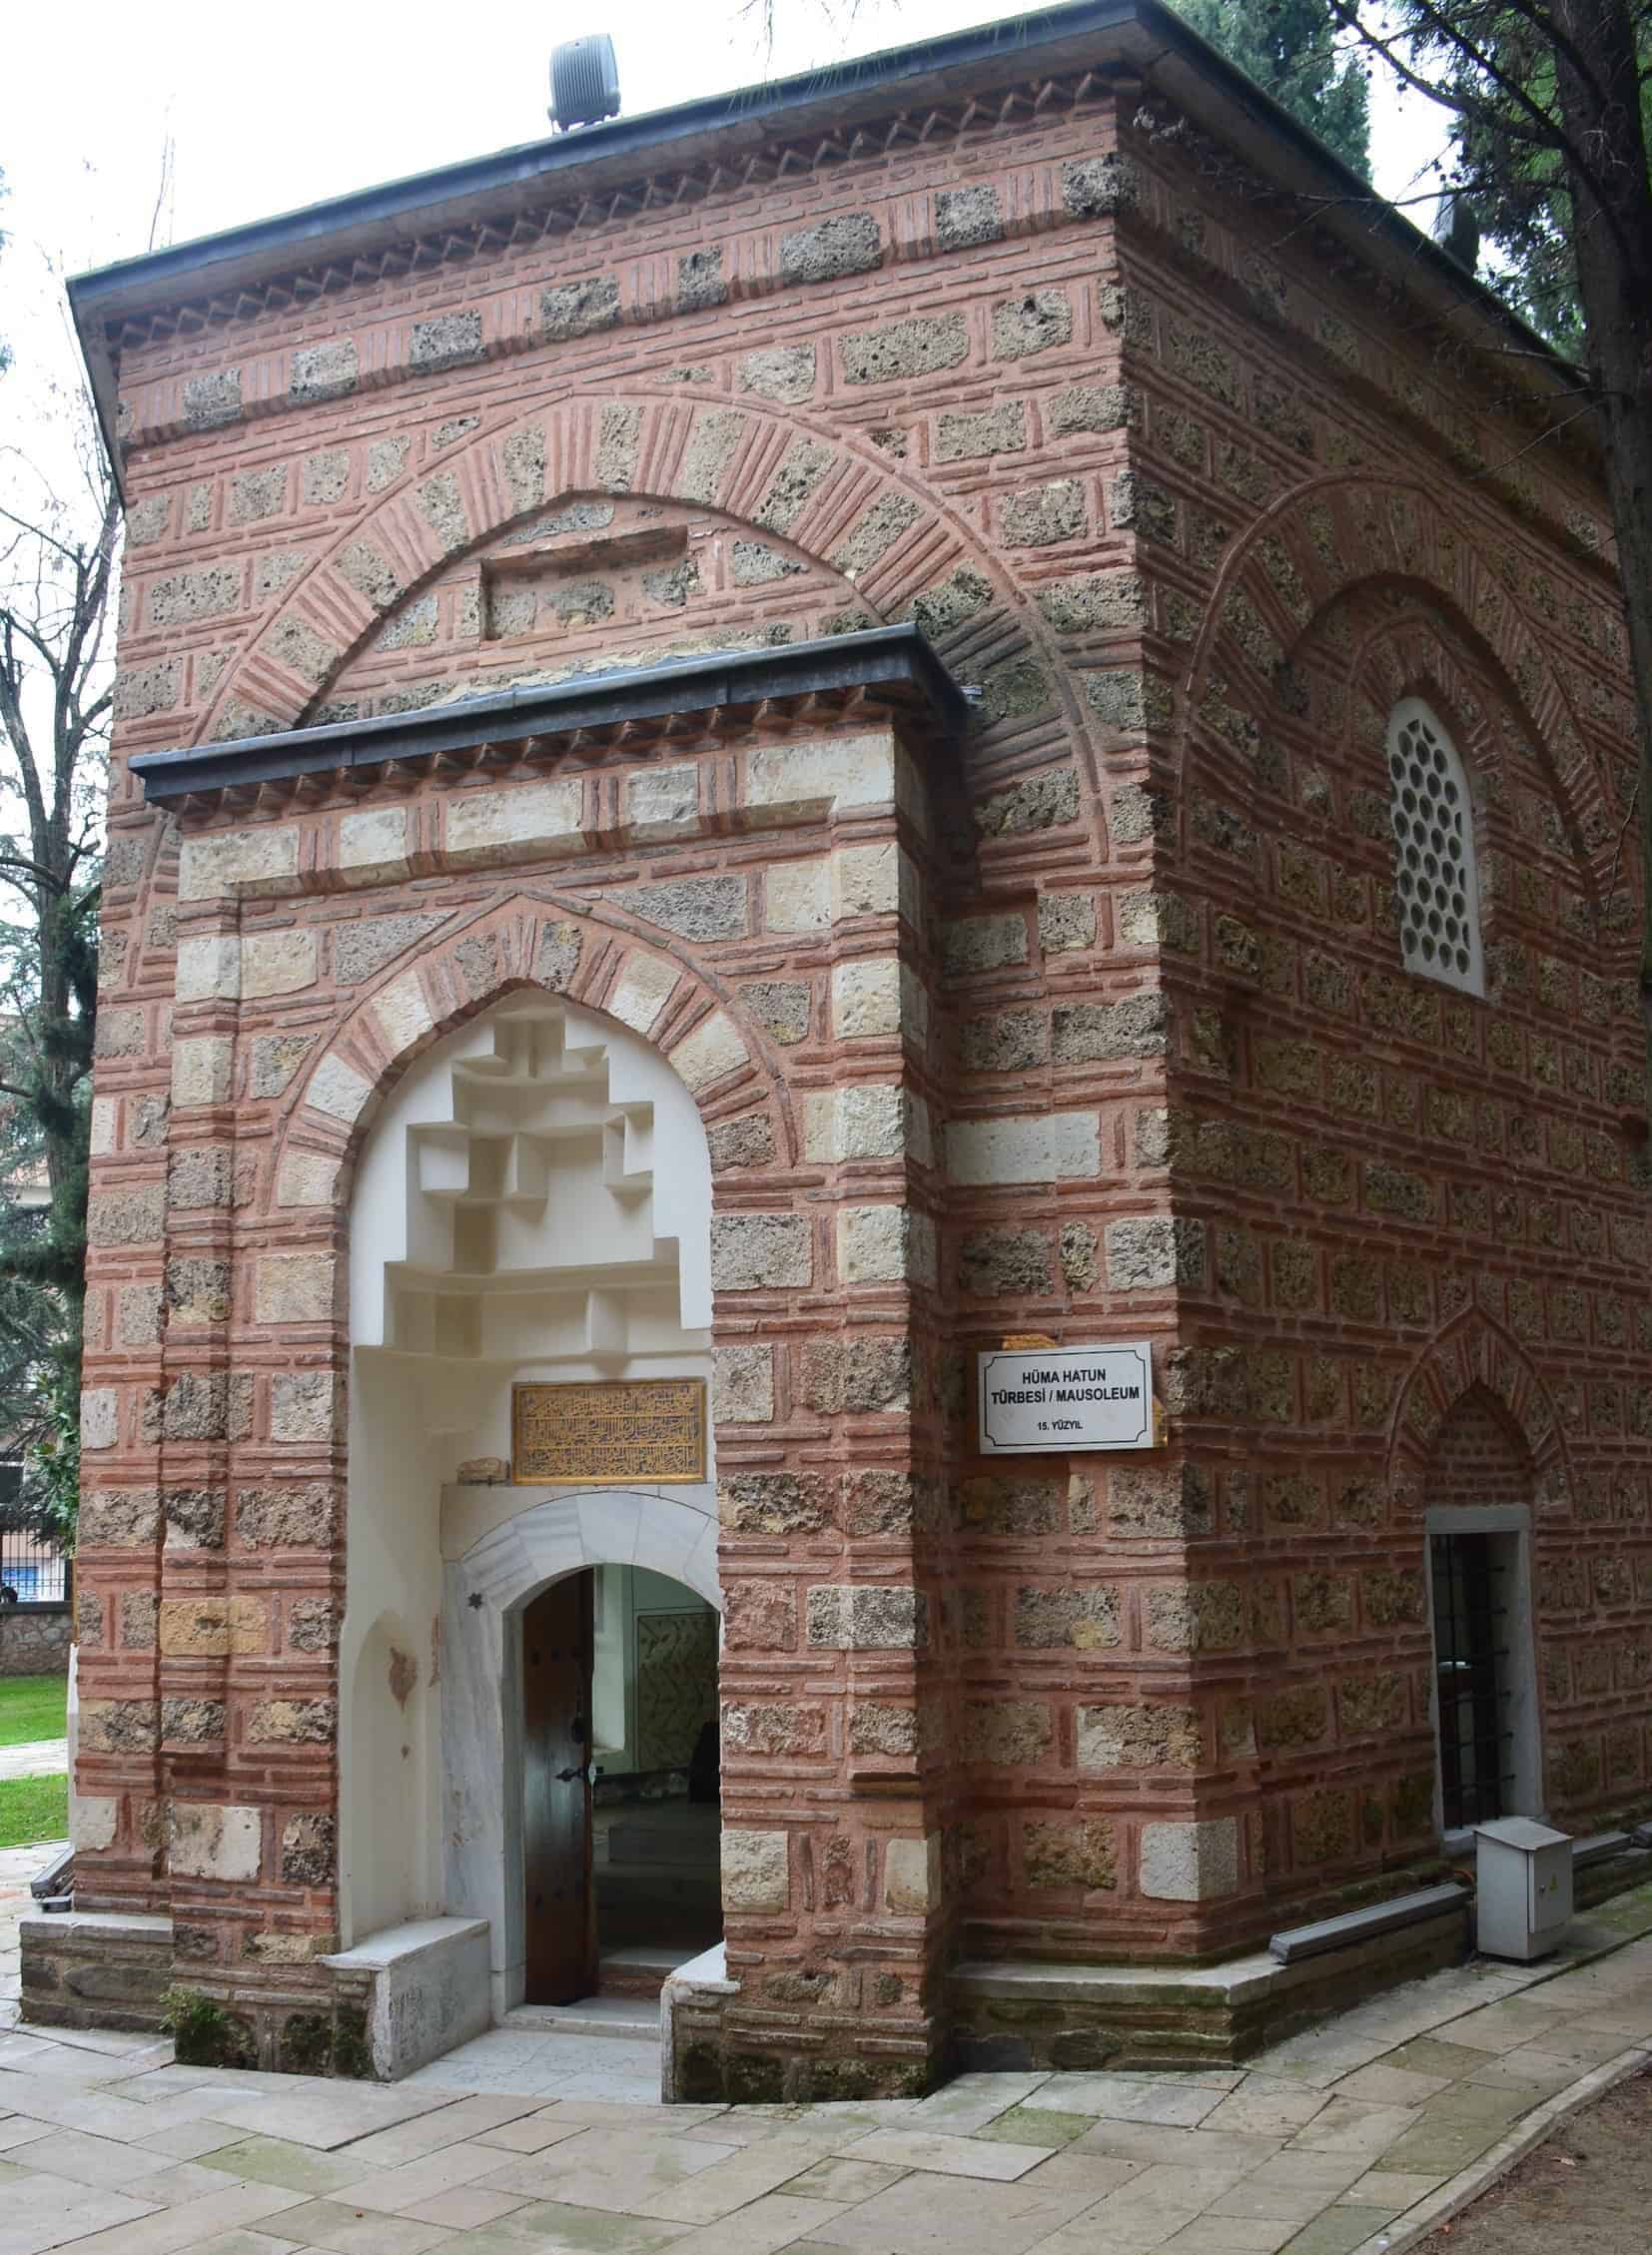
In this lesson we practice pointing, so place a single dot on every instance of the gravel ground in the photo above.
(1587, 2189)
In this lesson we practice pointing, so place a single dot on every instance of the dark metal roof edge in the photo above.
(478, 184)
(876, 657)
(123, 284)
(1148, 35)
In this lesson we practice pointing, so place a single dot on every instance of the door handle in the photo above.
(566, 1777)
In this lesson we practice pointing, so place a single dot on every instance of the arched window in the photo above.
(1435, 882)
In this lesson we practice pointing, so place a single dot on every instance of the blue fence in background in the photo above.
(33, 1571)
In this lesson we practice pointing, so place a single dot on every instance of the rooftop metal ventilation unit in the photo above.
(1456, 228)
(584, 82)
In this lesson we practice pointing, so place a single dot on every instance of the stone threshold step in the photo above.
(633, 2019)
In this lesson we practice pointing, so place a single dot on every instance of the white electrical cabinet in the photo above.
(1523, 1888)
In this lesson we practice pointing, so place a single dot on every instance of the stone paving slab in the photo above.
(40, 1758)
(1353, 2139)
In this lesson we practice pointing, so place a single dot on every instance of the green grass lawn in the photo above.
(32, 1707)
(33, 1808)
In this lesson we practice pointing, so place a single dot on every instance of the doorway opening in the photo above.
(620, 1811)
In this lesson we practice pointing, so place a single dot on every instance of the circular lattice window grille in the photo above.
(1433, 826)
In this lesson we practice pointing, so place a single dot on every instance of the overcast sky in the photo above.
(266, 110)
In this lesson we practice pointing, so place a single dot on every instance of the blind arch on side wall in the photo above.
(1436, 881)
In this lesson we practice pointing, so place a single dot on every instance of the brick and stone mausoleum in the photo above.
(762, 749)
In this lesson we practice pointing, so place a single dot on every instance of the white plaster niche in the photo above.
(533, 1203)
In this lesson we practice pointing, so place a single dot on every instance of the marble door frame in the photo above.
(670, 1531)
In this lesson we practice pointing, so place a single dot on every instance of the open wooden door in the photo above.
(556, 1817)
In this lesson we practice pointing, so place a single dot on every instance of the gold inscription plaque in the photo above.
(610, 1433)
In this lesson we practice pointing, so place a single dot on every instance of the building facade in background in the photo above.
(761, 751)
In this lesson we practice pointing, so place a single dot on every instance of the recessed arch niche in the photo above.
(533, 1204)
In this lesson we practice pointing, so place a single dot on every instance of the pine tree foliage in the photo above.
(1506, 138)
(1548, 102)
(1297, 51)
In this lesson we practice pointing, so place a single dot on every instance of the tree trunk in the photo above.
(1612, 214)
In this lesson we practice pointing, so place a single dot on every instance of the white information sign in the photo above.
(1060, 1398)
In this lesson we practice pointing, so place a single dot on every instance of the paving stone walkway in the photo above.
(1353, 2139)
(41, 1758)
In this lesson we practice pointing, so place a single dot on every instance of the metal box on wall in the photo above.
(1523, 1878)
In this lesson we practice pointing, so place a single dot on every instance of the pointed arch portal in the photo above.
(532, 1204)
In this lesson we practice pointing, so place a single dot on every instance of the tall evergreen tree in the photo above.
(1550, 103)
(1291, 48)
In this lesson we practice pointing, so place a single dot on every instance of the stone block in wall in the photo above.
(1048, 1146)
(320, 373)
(201, 1071)
(973, 434)
(760, 1251)
(923, 345)
(100, 1425)
(339, 1091)
(1197, 1617)
(886, 1245)
(1146, 1735)
(1003, 1503)
(743, 1385)
(774, 1503)
(1004, 1041)
(694, 908)
(1032, 322)
(446, 340)
(133, 1217)
(782, 373)
(195, 1518)
(1086, 1619)
(970, 945)
(1154, 1251)
(211, 399)
(829, 772)
(263, 857)
(714, 1050)
(211, 1628)
(863, 1120)
(118, 1726)
(1190, 1862)
(120, 1518)
(867, 1618)
(293, 1722)
(1058, 1854)
(993, 1262)
(278, 962)
(209, 1842)
(306, 1179)
(201, 1406)
(912, 1875)
(372, 844)
(760, 1617)
(305, 1406)
(871, 998)
(294, 1288)
(967, 215)
(857, 1375)
(580, 308)
(520, 823)
(1007, 1733)
(209, 968)
(755, 1870)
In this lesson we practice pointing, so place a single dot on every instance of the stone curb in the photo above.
(1466, 2186)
